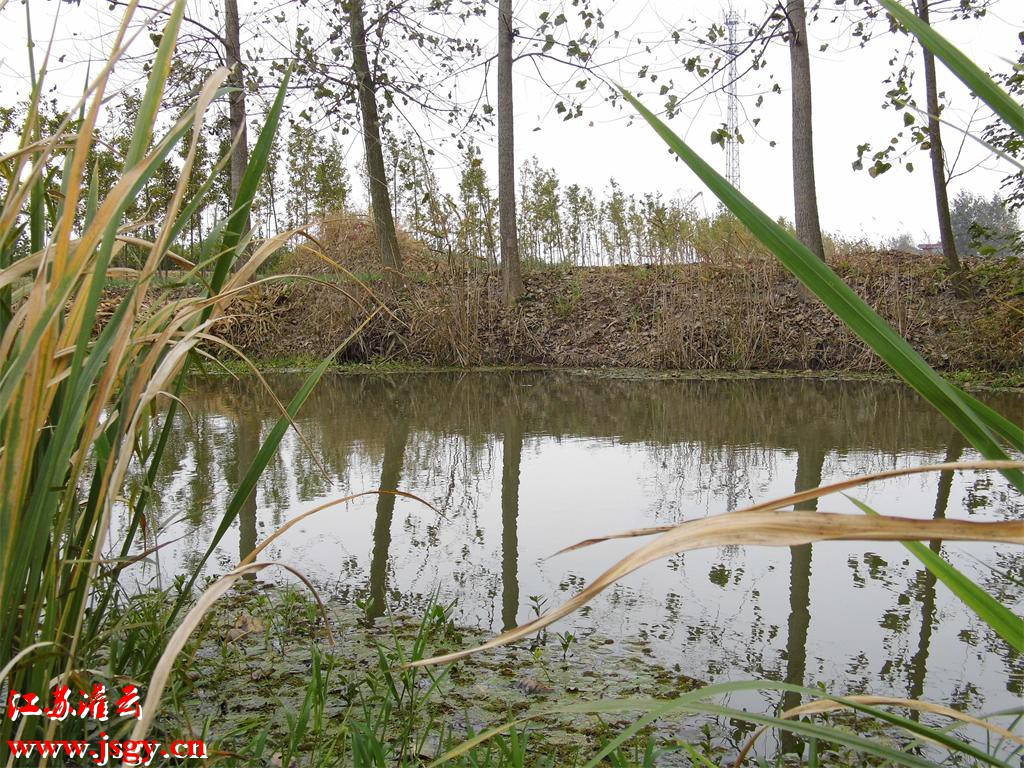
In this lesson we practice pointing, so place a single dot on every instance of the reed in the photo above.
(82, 393)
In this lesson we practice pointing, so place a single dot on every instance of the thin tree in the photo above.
(805, 195)
(510, 267)
(380, 199)
(935, 152)
(930, 135)
(236, 101)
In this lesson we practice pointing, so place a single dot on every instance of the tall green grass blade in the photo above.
(1004, 621)
(960, 65)
(259, 463)
(1010, 432)
(141, 139)
(61, 291)
(928, 733)
(867, 746)
(198, 200)
(247, 190)
(844, 302)
(159, 71)
(92, 202)
(699, 702)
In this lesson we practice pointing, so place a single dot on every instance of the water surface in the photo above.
(518, 465)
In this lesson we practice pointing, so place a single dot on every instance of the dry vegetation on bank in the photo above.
(723, 313)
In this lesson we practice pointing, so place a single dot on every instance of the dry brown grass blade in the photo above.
(772, 529)
(281, 407)
(165, 665)
(202, 104)
(333, 503)
(821, 706)
(20, 268)
(260, 255)
(13, 331)
(814, 493)
(119, 564)
(148, 245)
(322, 253)
(21, 655)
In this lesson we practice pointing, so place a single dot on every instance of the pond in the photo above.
(517, 465)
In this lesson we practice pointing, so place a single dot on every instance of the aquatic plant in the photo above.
(82, 374)
(994, 436)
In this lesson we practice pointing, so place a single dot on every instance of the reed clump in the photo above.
(90, 358)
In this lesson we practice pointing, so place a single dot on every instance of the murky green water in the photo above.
(520, 465)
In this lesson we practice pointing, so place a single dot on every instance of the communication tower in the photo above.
(732, 148)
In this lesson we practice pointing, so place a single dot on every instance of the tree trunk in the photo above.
(810, 460)
(805, 196)
(510, 268)
(512, 452)
(380, 202)
(396, 438)
(935, 151)
(236, 101)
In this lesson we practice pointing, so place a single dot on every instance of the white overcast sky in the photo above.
(848, 90)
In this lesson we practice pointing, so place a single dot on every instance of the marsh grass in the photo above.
(82, 379)
(79, 397)
(282, 692)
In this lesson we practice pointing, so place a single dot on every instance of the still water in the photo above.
(518, 465)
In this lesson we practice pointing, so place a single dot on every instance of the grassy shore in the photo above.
(738, 317)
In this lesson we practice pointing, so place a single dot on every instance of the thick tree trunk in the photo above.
(510, 268)
(236, 101)
(805, 196)
(380, 198)
(935, 151)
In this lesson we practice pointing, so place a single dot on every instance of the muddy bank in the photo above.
(745, 316)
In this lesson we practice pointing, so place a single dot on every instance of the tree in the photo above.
(805, 195)
(984, 227)
(1002, 136)
(581, 213)
(265, 204)
(476, 235)
(380, 202)
(236, 101)
(926, 137)
(425, 209)
(318, 181)
(402, 57)
(201, 165)
(302, 141)
(511, 269)
(616, 237)
(330, 178)
(540, 222)
(935, 151)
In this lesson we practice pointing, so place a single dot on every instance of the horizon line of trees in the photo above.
(557, 223)
(369, 78)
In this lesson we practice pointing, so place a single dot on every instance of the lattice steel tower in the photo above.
(732, 149)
